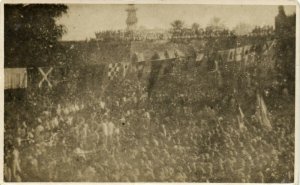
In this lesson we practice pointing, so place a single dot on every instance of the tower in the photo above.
(131, 20)
(280, 21)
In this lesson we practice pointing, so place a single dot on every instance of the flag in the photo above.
(15, 78)
(262, 113)
(113, 70)
(45, 72)
(140, 69)
(153, 76)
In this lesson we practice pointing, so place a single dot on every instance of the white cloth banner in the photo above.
(15, 78)
(262, 113)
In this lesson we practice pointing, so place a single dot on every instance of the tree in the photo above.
(31, 34)
(218, 37)
(177, 25)
(177, 29)
(215, 25)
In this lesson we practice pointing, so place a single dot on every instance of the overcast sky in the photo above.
(82, 21)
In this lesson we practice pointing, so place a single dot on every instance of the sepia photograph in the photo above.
(162, 92)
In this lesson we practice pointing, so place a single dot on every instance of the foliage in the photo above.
(177, 28)
(285, 50)
(31, 34)
(215, 24)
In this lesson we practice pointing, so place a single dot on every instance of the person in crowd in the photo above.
(16, 171)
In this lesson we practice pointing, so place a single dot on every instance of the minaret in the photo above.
(131, 20)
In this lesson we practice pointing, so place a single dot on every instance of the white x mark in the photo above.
(45, 77)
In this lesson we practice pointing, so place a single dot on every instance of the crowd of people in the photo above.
(184, 33)
(137, 35)
(180, 133)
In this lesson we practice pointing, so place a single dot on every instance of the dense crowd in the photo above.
(123, 135)
(138, 35)
(184, 33)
